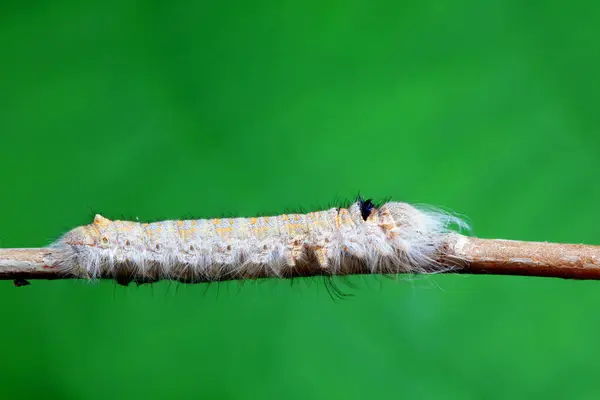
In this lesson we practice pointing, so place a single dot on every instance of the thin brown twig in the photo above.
(468, 255)
(511, 257)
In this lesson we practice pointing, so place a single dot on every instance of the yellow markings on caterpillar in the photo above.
(321, 254)
(101, 221)
(223, 227)
(123, 226)
(387, 222)
(262, 228)
(188, 233)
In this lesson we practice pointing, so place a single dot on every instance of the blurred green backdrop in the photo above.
(170, 109)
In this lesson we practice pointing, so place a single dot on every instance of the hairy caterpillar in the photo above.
(394, 238)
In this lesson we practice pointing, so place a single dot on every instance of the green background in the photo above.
(171, 109)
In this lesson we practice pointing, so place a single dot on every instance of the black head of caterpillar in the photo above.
(366, 206)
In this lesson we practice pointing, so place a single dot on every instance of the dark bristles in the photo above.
(366, 206)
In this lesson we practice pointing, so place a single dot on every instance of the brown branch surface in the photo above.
(467, 254)
(510, 257)
(30, 264)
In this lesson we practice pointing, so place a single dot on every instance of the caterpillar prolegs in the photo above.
(393, 238)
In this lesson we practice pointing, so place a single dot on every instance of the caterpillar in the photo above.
(393, 238)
